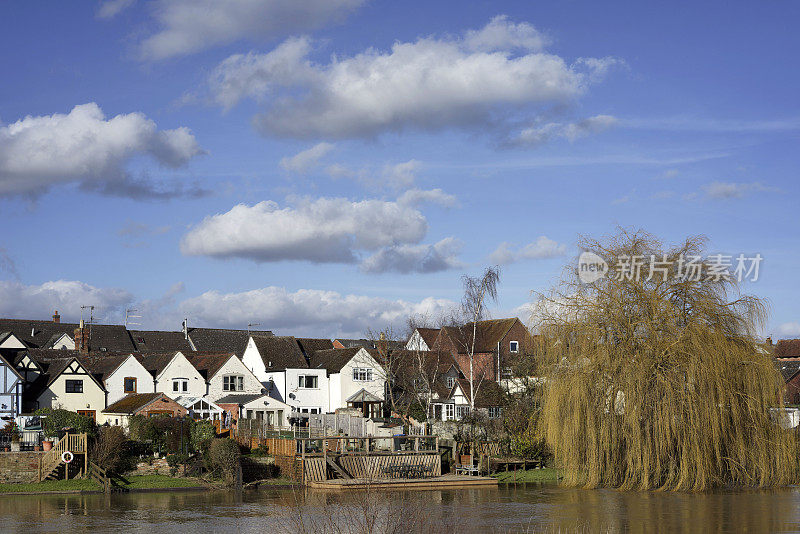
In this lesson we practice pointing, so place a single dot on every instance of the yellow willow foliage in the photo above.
(657, 381)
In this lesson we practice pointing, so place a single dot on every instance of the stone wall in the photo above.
(19, 466)
(159, 466)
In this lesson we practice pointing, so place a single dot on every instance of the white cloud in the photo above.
(307, 311)
(415, 197)
(83, 146)
(430, 84)
(406, 259)
(325, 230)
(790, 329)
(542, 248)
(304, 161)
(538, 135)
(189, 26)
(111, 8)
(392, 176)
(38, 301)
(726, 190)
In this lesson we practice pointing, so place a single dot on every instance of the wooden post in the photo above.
(325, 458)
(303, 461)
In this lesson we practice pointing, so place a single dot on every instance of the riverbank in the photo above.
(135, 483)
(547, 474)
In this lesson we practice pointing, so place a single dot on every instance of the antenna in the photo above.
(129, 314)
(251, 324)
(91, 320)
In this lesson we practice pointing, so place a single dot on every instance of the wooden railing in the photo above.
(74, 443)
(100, 475)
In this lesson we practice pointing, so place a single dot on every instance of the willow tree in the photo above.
(653, 376)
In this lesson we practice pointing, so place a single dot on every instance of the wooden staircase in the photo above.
(50, 463)
(109, 481)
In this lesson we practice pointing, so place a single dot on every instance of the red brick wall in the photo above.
(164, 404)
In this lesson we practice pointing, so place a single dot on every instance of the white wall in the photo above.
(268, 404)
(415, 342)
(92, 398)
(279, 379)
(180, 367)
(115, 383)
(307, 398)
(252, 360)
(10, 389)
(233, 366)
(347, 386)
(12, 342)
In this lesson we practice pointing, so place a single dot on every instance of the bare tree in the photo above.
(478, 291)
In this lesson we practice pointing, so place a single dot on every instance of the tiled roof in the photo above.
(208, 363)
(38, 334)
(369, 343)
(787, 348)
(490, 393)
(223, 340)
(311, 345)
(132, 403)
(429, 335)
(158, 341)
(487, 334)
(155, 362)
(241, 398)
(333, 360)
(280, 352)
(788, 367)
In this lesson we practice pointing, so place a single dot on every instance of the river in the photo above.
(524, 508)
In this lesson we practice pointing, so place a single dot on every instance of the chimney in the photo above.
(768, 341)
(186, 328)
(383, 346)
(82, 338)
(56, 317)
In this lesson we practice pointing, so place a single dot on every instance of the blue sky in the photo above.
(326, 167)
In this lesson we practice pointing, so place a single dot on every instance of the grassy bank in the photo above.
(548, 474)
(139, 482)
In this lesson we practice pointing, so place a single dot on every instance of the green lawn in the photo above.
(161, 481)
(52, 485)
(548, 474)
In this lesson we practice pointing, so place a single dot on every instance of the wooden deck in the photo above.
(440, 482)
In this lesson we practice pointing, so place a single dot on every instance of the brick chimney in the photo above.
(56, 317)
(82, 338)
(768, 341)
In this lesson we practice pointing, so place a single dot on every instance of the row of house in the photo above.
(108, 372)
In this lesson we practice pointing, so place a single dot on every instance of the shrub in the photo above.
(202, 433)
(164, 434)
(222, 458)
(53, 421)
(109, 449)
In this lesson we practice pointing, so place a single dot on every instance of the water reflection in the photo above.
(531, 508)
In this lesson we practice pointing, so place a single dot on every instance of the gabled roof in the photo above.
(208, 363)
(102, 366)
(490, 393)
(429, 335)
(158, 341)
(223, 340)
(367, 343)
(333, 360)
(282, 352)
(788, 367)
(787, 348)
(311, 345)
(134, 402)
(240, 398)
(487, 334)
(9, 365)
(362, 395)
(155, 363)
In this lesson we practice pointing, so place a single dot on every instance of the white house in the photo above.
(11, 383)
(422, 339)
(120, 375)
(70, 386)
(174, 374)
(225, 374)
(259, 407)
(349, 372)
(280, 365)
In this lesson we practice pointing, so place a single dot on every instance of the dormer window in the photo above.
(450, 382)
(513, 347)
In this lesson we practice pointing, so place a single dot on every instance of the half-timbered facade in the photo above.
(70, 386)
(11, 383)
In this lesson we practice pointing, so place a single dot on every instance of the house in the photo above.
(497, 345)
(173, 374)
(489, 399)
(121, 375)
(787, 348)
(257, 407)
(279, 363)
(57, 335)
(418, 376)
(200, 408)
(423, 339)
(224, 374)
(146, 404)
(351, 371)
(68, 385)
(11, 385)
(221, 339)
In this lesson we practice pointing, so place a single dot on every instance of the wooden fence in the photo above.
(369, 466)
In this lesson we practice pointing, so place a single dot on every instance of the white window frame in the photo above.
(233, 383)
(182, 385)
(313, 410)
(513, 347)
(449, 411)
(302, 380)
(462, 410)
(362, 374)
(450, 382)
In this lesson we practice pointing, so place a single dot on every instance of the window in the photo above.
(73, 386)
(362, 374)
(180, 385)
(130, 384)
(88, 413)
(310, 410)
(233, 383)
(513, 346)
(449, 411)
(495, 412)
(451, 382)
(462, 411)
(308, 382)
